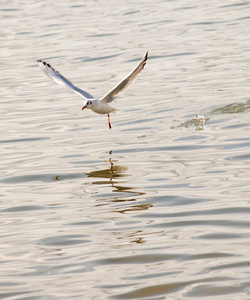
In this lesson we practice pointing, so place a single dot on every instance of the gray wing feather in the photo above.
(120, 87)
(58, 78)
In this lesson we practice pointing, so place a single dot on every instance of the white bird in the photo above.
(99, 106)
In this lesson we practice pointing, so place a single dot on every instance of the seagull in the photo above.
(100, 106)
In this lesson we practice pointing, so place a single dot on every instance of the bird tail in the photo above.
(115, 110)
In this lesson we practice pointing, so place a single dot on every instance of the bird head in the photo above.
(87, 104)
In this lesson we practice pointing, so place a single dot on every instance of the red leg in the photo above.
(109, 122)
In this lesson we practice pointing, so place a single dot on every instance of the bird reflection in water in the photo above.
(123, 199)
(125, 194)
(113, 173)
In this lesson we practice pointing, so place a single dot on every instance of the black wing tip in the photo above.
(44, 62)
(145, 58)
(41, 61)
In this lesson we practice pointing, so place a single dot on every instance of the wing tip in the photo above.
(39, 61)
(145, 57)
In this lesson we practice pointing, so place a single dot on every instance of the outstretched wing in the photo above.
(58, 78)
(119, 88)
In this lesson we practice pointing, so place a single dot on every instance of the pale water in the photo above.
(156, 208)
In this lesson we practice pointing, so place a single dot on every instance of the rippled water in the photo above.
(157, 207)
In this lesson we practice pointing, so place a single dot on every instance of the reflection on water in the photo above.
(113, 173)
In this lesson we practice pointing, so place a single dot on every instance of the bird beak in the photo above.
(83, 107)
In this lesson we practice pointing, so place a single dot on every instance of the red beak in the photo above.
(83, 107)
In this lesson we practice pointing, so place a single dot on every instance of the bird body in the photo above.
(98, 106)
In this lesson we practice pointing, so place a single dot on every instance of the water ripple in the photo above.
(165, 214)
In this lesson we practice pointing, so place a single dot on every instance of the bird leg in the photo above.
(111, 164)
(109, 122)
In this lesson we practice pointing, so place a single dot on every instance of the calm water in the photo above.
(157, 207)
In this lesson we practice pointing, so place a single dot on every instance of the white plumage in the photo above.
(98, 106)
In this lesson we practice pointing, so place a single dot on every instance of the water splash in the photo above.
(197, 122)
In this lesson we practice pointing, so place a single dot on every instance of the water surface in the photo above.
(157, 207)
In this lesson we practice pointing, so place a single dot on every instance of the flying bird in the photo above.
(100, 106)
